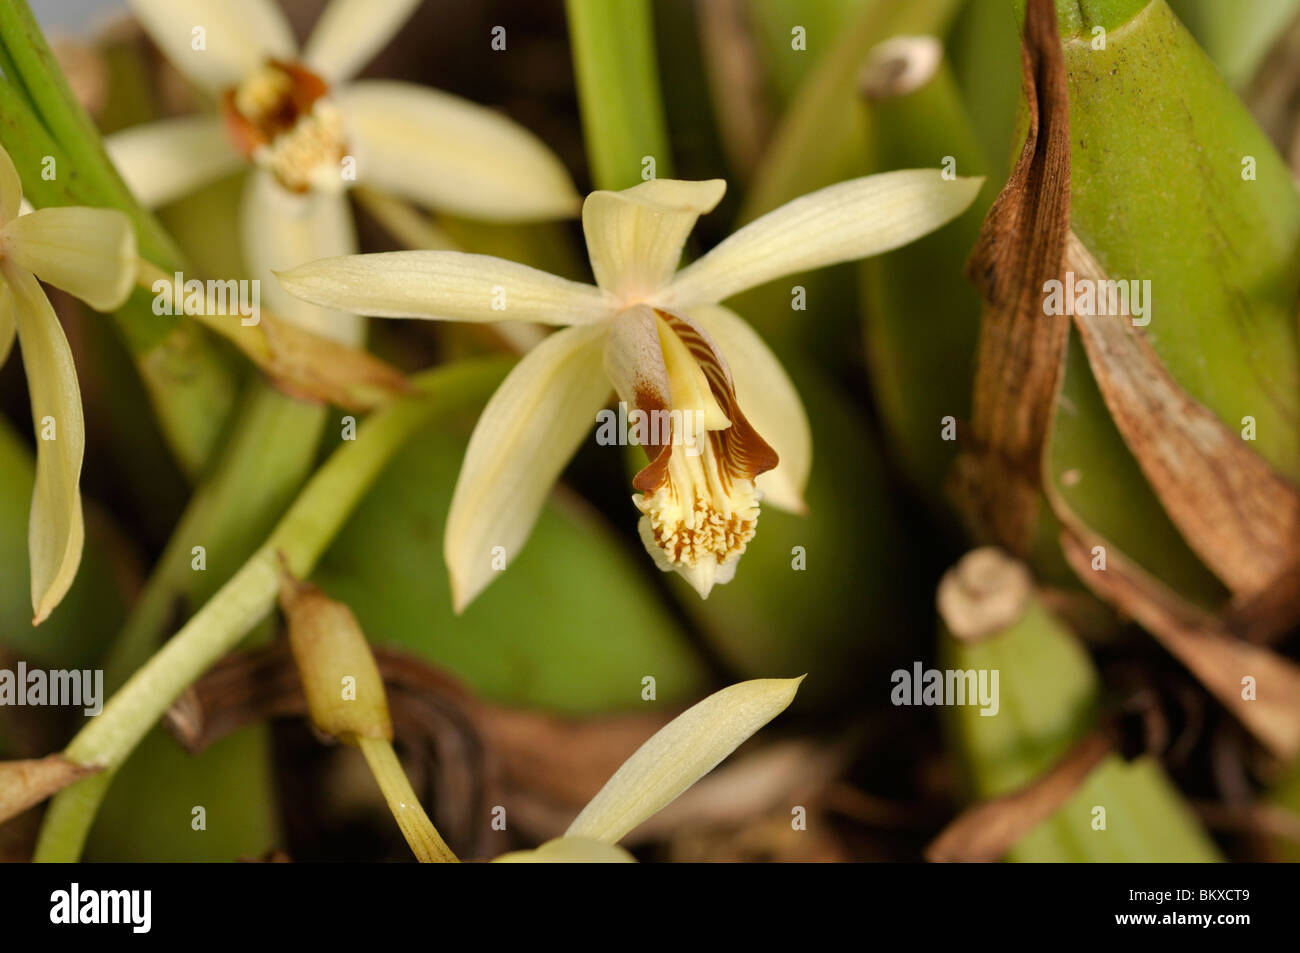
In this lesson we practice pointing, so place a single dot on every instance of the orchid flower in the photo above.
(89, 253)
(310, 131)
(675, 757)
(660, 337)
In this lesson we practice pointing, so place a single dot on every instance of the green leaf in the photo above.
(148, 816)
(1167, 202)
(571, 625)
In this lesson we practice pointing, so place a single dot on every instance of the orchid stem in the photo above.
(425, 841)
(618, 90)
(301, 536)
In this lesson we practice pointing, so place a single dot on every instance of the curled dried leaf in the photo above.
(1021, 351)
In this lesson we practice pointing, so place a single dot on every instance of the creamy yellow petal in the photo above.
(350, 32)
(635, 237)
(7, 327)
(88, 252)
(282, 229)
(453, 155)
(162, 161)
(55, 533)
(11, 188)
(770, 401)
(446, 286)
(569, 850)
(217, 44)
(679, 754)
(848, 220)
(525, 436)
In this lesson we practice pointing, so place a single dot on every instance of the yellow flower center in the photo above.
(282, 118)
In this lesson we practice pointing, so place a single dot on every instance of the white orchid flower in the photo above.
(660, 337)
(310, 131)
(89, 253)
(675, 757)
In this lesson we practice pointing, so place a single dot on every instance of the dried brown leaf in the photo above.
(986, 831)
(1237, 515)
(1021, 350)
(1197, 639)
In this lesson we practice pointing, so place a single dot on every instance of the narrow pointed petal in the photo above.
(453, 155)
(88, 252)
(217, 44)
(679, 754)
(7, 327)
(55, 532)
(281, 229)
(162, 161)
(771, 403)
(446, 286)
(350, 32)
(11, 188)
(848, 220)
(635, 237)
(569, 850)
(527, 433)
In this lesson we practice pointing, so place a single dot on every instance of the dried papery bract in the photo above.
(25, 783)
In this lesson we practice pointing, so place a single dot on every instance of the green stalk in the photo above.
(191, 383)
(299, 539)
(618, 89)
(823, 134)
(424, 840)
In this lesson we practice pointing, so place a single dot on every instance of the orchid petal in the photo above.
(8, 329)
(446, 286)
(350, 32)
(217, 44)
(55, 533)
(164, 160)
(281, 228)
(88, 252)
(569, 850)
(11, 188)
(635, 237)
(770, 402)
(853, 219)
(679, 754)
(453, 155)
(525, 436)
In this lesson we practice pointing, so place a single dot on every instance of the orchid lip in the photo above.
(283, 118)
(698, 498)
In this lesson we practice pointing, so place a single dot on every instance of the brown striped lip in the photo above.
(701, 508)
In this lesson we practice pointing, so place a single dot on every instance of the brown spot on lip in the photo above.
(248, 133)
